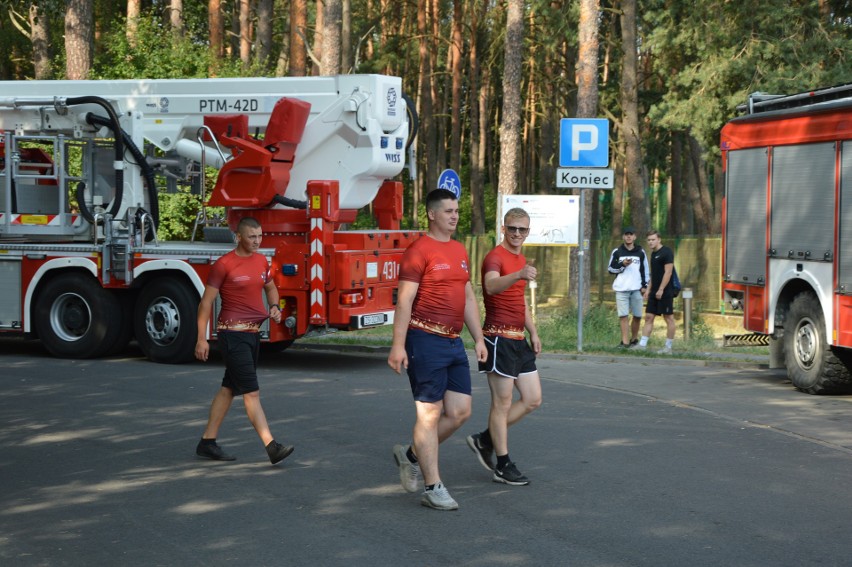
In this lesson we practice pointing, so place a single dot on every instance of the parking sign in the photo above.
(584, 142)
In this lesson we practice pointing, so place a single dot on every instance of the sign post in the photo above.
(583, 153)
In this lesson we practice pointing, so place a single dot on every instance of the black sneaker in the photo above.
(634, 342)
(278, 452)
(622, 345)
(485, 453)
(510, 475)
(213, 452)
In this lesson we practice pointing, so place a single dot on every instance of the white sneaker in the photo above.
(409, 473)
(665, 350)
(638, 346)
(439, 498)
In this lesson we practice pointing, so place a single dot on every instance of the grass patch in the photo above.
(557, 328)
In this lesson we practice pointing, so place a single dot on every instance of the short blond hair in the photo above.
(515, 213)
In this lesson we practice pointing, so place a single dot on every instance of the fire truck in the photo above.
(787, 231)
(81, 167)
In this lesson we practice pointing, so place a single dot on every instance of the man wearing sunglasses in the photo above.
(511, 359)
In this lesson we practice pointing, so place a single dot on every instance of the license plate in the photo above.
(373, 320)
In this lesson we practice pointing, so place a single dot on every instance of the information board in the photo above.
(553, 218)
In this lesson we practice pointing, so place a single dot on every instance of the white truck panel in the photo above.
(356, 133)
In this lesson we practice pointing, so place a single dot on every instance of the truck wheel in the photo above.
(165, 321)
(76, 318)
(811, 364)
(125, 330)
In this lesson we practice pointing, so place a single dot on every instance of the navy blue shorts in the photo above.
(508, 357)
(240, 351)
(436, 364)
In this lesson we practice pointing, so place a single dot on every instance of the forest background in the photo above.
(490, 80)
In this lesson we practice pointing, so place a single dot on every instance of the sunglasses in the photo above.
(518, 229)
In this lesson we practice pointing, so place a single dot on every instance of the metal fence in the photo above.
(698, 262)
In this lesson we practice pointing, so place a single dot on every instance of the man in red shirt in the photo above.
(434, 301)
(511, 360)
(238, 277)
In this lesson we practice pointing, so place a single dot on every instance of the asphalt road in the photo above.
(633, 462)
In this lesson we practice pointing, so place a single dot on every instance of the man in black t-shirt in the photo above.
(660, 296)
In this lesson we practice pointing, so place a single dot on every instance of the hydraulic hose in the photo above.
(413, 120)
(118, 144)
(288, 202)
(147, 170)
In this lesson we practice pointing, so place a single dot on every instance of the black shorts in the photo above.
(240, 351)
(662, 306)
(508, 357)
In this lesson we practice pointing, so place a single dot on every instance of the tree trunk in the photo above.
(369, 47)
(298, 35)
(619, 190)
(346, 63)
(675, 202)
(331, 38)
(245, 32)
(587, 107)
(529, 145)
(216, 29)
(456, 97)
(386, 24)
(704, 210)
(263, 49)
(176, 17)
(510, 125)
(133, 10)
(232, 49)
(548, 158)
(587, 60)
(79, 26)
(718, 193)
(41, 42)
(488, 116)
(477, 193)
(427, 121)
(318, 41)
(633, 167)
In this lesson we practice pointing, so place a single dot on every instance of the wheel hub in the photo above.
(162, 321)
(70, 317)
(807, 344)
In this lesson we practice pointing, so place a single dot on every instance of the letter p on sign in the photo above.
(584, 142)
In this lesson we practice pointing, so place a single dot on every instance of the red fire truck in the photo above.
(787, 230)
(81, 164)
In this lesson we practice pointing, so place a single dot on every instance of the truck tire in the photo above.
(76, 318)
(811, 364)
(125, 330)
(165, 321)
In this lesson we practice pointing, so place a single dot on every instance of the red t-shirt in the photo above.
(504, 312)
(442, 271)
(240, 281)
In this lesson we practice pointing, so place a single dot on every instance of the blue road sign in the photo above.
(584, 142)
(450, 181)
